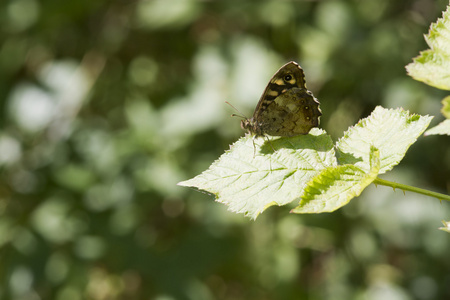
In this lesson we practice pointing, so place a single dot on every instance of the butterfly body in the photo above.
(286, 107)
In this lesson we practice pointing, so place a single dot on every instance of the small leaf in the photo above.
(433, 65)
(447, 226)
(249, 183)
(334, 187)
(391, 131)
(432, 68)
(442, 128)
(445, 110)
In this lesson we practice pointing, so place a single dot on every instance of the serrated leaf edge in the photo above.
(315, 184)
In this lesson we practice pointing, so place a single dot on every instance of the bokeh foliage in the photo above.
(106, 105)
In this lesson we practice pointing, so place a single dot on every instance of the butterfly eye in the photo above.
(288, 77)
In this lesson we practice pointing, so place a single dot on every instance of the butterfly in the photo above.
(286, 107)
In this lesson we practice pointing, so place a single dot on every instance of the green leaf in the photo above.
(433, 65)
(445, 110)
(442, 128)
(446, 226)
(391, 131)
(250, 179)
(256, 174)
(334, 187)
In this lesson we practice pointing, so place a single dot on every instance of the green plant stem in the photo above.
(405, 187)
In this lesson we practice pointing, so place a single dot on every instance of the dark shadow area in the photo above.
(321, 143)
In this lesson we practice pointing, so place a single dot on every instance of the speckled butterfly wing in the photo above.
(277, 85)
(286, 108)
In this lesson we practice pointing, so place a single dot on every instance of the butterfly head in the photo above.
(252, 127)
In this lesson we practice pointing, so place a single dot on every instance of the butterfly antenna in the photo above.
(236, 115)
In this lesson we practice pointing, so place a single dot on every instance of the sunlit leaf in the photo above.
(445, 110)
(249, 183)
(442, 128)
(433, 65)
(391, 131)
(446, 226)
(336, 186)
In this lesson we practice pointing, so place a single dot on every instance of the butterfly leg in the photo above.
(254, 147)
(270, 161)
(271, 146)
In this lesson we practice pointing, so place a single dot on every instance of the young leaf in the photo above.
(336, 186)
(251, 179)
(391, 131)
(446, 226)
(445, 110)
(433, 65)
(443, 127)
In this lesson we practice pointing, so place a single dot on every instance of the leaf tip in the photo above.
(183, 183)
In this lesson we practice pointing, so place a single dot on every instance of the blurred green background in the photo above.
(106, 105)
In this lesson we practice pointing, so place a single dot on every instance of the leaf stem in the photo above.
(405, 187)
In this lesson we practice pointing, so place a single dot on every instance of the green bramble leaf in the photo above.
(249, 180)
(391, 131)
(445, 110)
(442, 128)
(446, 226)
(334, 187)
(432, 66)
(304, 168)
